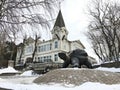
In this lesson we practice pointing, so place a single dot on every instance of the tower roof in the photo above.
(59, 21)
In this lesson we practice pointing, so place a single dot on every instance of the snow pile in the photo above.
(109, 69)
(27, 73)
(78, 77)
(8, 70)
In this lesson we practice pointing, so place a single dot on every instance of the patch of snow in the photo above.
(8, 70)
(109, 69)
(73, 68)
(18, 79)
(98, 86)
(28, 73)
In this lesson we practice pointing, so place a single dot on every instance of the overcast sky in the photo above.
(76, 20)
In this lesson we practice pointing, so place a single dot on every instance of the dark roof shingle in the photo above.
(59, 21)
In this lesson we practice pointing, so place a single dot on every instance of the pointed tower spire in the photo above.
(59, 21)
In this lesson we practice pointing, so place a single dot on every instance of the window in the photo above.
(35, 58)
(29, 49)
(56, 44)
(50, 46)
(40, 59)
(39, 48)
(47, 47)
(43, 48)
(44, 59)
(56, 57)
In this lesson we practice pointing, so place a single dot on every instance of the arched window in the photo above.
(56, 44)
(56, 57)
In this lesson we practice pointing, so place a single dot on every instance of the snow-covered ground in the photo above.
(25, 82)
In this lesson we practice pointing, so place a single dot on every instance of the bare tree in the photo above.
(21, 47)
(104, 30)
(37, 37)
(2, 45)
(14, 14)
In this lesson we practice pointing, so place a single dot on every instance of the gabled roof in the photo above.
(79, 42)
(59, 21)
(30, 40)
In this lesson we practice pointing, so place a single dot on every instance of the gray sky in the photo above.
(76, 19)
